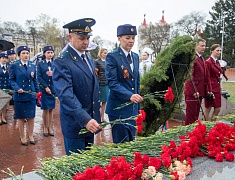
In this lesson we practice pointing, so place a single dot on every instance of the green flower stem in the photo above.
(105, 123)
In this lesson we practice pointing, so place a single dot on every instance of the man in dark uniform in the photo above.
(122, 75)
(198, 86)
(77, 88)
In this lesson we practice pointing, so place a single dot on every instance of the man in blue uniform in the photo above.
(122, 75)
(76, 86)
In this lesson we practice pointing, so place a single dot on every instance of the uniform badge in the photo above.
(126, 73)
(32, 74)
(122, 66)
(132, 30)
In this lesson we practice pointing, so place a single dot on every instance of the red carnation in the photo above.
(219, 157)
(169, 96)
(230, 157)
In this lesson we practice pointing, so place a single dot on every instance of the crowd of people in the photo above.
(87, 88)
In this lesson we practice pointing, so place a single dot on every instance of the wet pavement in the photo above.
(13, 155)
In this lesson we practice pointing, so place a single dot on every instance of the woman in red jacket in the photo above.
(215, 71)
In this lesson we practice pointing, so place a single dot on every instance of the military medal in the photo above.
(126, 73)
(32, 74)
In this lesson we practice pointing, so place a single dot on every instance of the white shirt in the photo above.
(4, 71)
(145, 66)
(80, 54)
(126, 53)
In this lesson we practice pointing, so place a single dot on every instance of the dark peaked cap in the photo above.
(81, 26)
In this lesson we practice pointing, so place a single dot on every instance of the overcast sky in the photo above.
(107, 13)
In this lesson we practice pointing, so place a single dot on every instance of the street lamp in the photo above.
(222, 32)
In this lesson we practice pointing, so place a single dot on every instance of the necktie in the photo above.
(3, 68)
(49, 63)
(83, 58)
(25, 66)
(129, 58)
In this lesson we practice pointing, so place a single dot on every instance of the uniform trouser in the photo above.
(122, 132)
(193, 106)
(76, 144)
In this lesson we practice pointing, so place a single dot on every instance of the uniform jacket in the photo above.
(200, 79)
(43, 79)
(100, 65)
(4, 78)
(22, 79)
(78, 91)
(215, 71)
(123, 83)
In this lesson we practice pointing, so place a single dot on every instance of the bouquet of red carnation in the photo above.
(38, 101)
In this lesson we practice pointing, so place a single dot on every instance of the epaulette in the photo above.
(62, 54)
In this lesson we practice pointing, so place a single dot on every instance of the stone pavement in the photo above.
(13, 155)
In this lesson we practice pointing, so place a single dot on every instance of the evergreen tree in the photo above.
(222, 12)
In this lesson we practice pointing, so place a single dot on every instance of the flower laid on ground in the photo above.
(173, 160)
(139, 122)
(166, 94)
(143, 167)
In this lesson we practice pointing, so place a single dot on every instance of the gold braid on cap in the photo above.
(87, 30)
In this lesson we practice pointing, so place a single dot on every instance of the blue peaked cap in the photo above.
(81, 26)
(47, 48)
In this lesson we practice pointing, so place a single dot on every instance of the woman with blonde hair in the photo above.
(103, 86)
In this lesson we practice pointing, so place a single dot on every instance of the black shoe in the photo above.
(46, 134)
(24, 143)
(51, 134)
(0, 123)
(4, 122)
(32, 142)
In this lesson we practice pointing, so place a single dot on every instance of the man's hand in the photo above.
(93, 126)
(196, 95)
(136, 98)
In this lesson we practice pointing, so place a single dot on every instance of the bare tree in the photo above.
(190, 24)
(155, 36)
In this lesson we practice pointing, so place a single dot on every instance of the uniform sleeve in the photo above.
(41, 81)
(12, 78)
(112, 79)
(70, 105)
(35, 81)
(208, 81)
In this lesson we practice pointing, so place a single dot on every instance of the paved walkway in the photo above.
(13, 155)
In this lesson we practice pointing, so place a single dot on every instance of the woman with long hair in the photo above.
(44, 73)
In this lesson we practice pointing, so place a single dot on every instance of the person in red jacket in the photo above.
(215, 70)
(197, 86)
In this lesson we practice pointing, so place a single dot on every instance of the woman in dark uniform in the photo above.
(23, 81)
(4, 83)
(103, 86)
(44, 74)
(215, 71)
